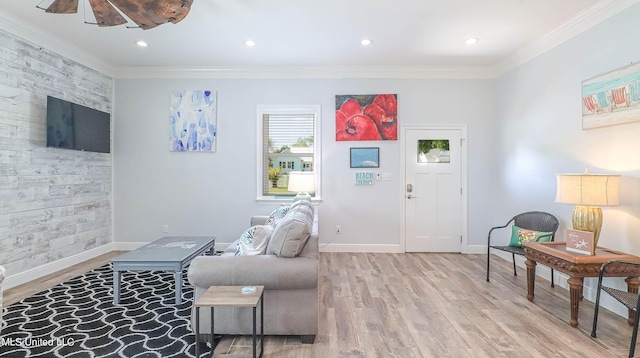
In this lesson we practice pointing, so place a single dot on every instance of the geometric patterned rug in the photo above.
(78, 319)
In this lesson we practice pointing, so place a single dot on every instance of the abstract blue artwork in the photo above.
(193, 121)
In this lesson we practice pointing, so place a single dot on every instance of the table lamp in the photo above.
(588, 192)
(303, 183)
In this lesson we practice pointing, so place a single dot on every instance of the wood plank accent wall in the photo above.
(54, 203)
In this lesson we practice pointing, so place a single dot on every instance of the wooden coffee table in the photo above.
(171, 253)
(231, 296)
(578, 266)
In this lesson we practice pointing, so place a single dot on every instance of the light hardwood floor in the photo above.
(426, 305)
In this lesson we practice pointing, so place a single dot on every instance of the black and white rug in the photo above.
(78, 319)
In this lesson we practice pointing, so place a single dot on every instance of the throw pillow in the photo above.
(519, 236)
(291, 233)
(277, 214)
(254, 240)
(303, 203)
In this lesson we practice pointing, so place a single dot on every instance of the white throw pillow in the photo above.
(254, 240)
(292, 232)
(303, 203)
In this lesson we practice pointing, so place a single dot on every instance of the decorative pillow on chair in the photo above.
(254, 240)
(277, 214)
(519, 236)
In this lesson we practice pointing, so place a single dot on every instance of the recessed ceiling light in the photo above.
(366, 42)
(471, 41)
(250, 43)
(142, 43)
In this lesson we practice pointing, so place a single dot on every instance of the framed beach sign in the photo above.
(365, 157)
(580, 242)
(611, 98)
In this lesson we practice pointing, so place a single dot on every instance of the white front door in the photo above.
(433, 190)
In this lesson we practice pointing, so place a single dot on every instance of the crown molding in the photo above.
(63, 48)
(597, 13)
(309, 72)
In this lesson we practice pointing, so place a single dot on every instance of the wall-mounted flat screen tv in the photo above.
(73, 126)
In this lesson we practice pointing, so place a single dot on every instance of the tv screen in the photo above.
(73, 126)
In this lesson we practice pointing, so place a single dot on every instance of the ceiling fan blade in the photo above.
(169, 10)
(63, 7)
(106, 14)
(183, 11)
(151, 13)
(137, 11)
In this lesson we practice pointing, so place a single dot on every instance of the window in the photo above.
(433, 151)
(287, 165)
(288, 140)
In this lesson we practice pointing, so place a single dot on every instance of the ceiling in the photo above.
(422, 33)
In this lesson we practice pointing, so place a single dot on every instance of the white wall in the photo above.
(539, 112)
(539, 119)
(214, 193)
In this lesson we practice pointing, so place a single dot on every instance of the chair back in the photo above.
(538, 221)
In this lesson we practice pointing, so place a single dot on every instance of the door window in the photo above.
(433, 151)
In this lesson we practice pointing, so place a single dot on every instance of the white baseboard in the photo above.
(385, 248)
(474, 249)
(46, 269)
(388, 248)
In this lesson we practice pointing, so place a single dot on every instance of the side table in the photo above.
(577, 267)
(231, 296)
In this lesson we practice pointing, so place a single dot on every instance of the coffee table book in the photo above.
(581, 242)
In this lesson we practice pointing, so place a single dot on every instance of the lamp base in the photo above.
(302, 196)
(588, 218)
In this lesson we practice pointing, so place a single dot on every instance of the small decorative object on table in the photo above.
(581, 242)
(249, 289)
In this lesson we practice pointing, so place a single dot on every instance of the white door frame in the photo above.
(463, 178)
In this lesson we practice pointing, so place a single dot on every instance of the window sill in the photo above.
(268, 200)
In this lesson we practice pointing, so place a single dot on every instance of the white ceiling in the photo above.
(299, 33)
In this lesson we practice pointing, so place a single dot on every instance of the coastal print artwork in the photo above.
(193, 121)
(366, 117)
(611, 98)
(365, 158)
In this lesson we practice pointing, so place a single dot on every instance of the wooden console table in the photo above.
(578, 266)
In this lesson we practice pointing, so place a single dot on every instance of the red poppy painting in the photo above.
(367, 117)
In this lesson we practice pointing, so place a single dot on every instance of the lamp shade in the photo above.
(302, 182)
(587, 189)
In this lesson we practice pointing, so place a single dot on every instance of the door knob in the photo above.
(410, 196)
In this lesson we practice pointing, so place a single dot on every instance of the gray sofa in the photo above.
(291, 288)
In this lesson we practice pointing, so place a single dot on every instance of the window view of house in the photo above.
(288, 145)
